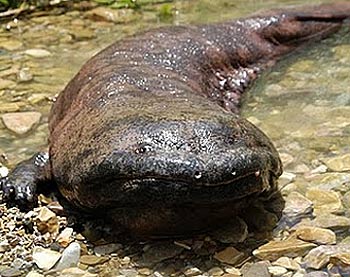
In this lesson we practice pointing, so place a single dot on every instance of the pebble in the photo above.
(65, 237)
(10, 272)
(37, 53)
(320, 256)
(73, 272)
(45, 258)
(316, 274)
(229, 255)
(287, 263)
(330, 221)
(297, 207)
(34, 274)
(70, 257)
(21, 122)
(325, 201)
(277, 270)
(93, 260)
(291, 247)
(316, 235)
(160, 252)
(145, 271)
(129, 272)
(215, 271)
(111, 15)
(24, 75)
(6, 84)
(4, 171)
(11, 44)
(107, 248)
(47, 221)
(339, 163)
(257, 269)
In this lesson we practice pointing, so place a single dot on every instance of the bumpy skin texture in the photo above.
(149, 131)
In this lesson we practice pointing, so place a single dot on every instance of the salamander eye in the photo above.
(143, 148)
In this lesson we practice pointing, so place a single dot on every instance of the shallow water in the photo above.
(303, 104)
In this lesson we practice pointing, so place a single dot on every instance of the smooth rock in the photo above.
(291, 247)
(21, 122)
(24, 75)
(70, 257)
(330, 221)
(316, 235)
(73, 272)
(257, 269)
(320, 256)
(192, 271)
(229, 255)
(92, 259)
(65, 237)
(10, 272)
(160, 252)
(325, 201)
(287, 263)
(111, 15)
(34, 274)
(4, 171)
(215, 271)
(45, 258)
(37, 53)
(277, 270)
(107, 248)
(297, 207)
(129, 272)
(339, 163)
(11, 44)
(6, 84)
(316, 274)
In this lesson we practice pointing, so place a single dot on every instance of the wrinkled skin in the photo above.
(149, 130)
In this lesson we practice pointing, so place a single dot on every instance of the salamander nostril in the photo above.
(143, 148)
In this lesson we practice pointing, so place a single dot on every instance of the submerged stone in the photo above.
(316, 235)
(21, 122)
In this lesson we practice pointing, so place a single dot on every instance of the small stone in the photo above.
(65, 237)
(297, 207)
(6, 84)
(316, 274)
(4, 171)
(325, 201)
(215, 271)
(257, 269)
(21, 122)
(230, 255)
(341, 163)
(286, 178)
(192, 271)
(10, 44)
(34, 274)
(44, 258)
(47, 221)
(73, 272)
(233, 271)
(316, 235)
(330, 221)
(145, 271)
(275, 249)
(24, 75)
(277, 270)
(287, 263)
(4, 246)
(93, 260)
(160, 252)
(320, 256)
(107, 248)
(70, 257)
(37, 53)
(10, 272)
(128, 272)
(9, 107)
(111, 15)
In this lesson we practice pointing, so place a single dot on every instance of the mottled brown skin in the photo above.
(147, 134)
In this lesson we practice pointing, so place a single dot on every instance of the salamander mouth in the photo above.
(157, 191)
